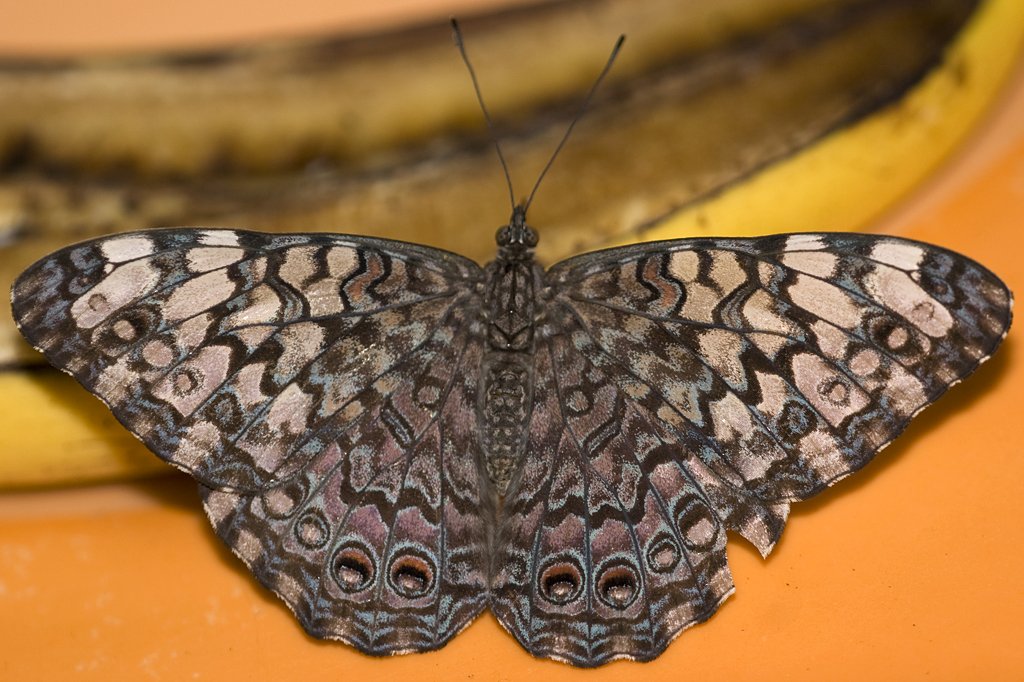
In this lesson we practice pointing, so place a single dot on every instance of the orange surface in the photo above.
(912, 568)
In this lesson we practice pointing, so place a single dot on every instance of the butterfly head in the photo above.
(517, 235)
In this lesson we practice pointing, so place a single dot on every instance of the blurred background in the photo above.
(724, 117)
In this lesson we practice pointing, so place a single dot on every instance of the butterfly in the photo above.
(395, 439)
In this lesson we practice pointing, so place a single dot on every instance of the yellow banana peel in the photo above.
(52, 432)
(851, 177)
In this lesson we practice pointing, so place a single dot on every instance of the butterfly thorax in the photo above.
(506, 390)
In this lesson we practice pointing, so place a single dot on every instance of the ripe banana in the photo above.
(851, 177)
(807, 114)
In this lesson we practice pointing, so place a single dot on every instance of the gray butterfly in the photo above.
(394, 439)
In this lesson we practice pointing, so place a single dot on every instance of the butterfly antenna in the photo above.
(579, 115)
(457, 35)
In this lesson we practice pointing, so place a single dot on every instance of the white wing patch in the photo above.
(122, 249)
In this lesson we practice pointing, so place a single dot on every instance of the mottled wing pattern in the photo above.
(609, 546)
(380, 541)
(322, 390)
(691, 387)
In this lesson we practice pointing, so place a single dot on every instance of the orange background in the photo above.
(910, 569)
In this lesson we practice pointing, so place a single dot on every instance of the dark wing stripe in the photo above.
(847, 256)
(665, 399)
(535, 552)
(406, 459)
(744, 330)
(367, 416)
(453, 381)
(695, 432)
(407, 364)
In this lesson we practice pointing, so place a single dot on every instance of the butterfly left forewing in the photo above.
(220, 349)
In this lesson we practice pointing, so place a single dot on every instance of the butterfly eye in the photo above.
(125, 330)
(894, 337)
(936, 288)
(835, 391)
(98, 303)
(795, 421)
(127, 327)
(618, 585)
(185, 381)
(428, 393)
(84, 281)
(352, 568)
(411, 575)
(502, 236)
(561, 582)
(531, 238)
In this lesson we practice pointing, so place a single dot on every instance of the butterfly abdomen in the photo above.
(506, 386)
(506, 398)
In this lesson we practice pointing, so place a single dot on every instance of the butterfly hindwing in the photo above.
(695, 386)
(609, 545)
(381, 541)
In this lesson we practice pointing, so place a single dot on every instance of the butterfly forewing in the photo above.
(222, 350)
(694, 386)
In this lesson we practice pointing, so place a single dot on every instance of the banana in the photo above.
(806, 114)
(850, 178)
(53, 433)
(275, 107)
(685, 124)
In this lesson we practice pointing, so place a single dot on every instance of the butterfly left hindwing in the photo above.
(380, 540)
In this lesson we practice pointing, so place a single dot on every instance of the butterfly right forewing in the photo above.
(823, 346)
(221, 349)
